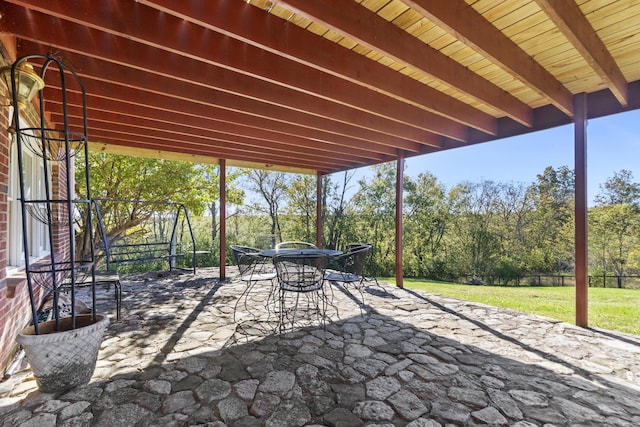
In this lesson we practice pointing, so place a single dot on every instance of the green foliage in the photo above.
(138, 178)
(271, 187)
(484, 228)
(427, 220)
(334, 205)
(620, 190)
(508, 269)
(116, 178)
(552, 228)
(373, 214)
(301, 194)
(615, 225)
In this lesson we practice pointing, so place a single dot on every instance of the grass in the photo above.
(612, 309)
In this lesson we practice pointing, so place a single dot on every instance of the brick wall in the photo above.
(12, 308)
(15, 312)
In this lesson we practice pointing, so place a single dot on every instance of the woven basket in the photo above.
(61, 360)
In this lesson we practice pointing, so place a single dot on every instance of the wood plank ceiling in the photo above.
(328, 85)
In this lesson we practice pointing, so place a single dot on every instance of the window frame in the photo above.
(39, 245)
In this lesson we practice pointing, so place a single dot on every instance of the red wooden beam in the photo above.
(399, 206)
(319, 210)
(148, 91)
(254, 26)
(209, 59)
(581, 240)
(223, 219)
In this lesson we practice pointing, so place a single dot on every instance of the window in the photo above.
(34, 185)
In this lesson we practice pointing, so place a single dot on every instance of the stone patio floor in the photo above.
(401, 358)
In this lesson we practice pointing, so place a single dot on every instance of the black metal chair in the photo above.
(253, 268)
(368, 272)
(301, 276)
(348, 268)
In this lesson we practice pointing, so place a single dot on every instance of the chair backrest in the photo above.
(295, 245)
(353, 246)
(300, 273)
(246, 258)
(354, 260)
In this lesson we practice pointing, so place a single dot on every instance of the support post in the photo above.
(399, 197)
(319, 210)
(581, 254)
(223, 219)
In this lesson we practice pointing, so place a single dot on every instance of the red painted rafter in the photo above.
(218, 149)
(100, 105)
(156, 96)
(159, 83)
(246, 23)
(213, 152)
(232, 134)
(244, 68)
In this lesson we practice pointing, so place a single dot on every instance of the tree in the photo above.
(115, 177)
(334, 205)
(209, 187)
(301, 194)
(615, 222)
(475, 241)
(427, 221)
(615, 229)
(374, 216)
(272, 187)
(619, 189)
(552, 230)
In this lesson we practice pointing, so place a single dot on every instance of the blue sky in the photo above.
(613, 143)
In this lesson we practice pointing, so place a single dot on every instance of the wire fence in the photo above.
(595, 281)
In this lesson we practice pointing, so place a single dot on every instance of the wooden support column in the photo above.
(399, 197)
(319, 210)
(581, 241)
(223, 219)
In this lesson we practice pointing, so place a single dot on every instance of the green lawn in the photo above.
(613, 309)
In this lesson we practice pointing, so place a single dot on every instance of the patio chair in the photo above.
(107, 278)
(253, 268)
(348, 268)
(301, 277)
(368, 271)
(295, 245)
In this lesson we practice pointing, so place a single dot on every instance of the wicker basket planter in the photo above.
(63, 359)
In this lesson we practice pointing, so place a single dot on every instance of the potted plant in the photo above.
(62, 351)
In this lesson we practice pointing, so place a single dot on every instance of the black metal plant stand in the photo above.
(59, 209)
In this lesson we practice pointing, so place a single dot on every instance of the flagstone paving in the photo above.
(403, 358)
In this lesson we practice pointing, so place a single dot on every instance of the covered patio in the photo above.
(294, 85)
(407, 359)
(299, 86)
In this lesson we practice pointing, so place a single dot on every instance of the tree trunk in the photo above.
(214, 224)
